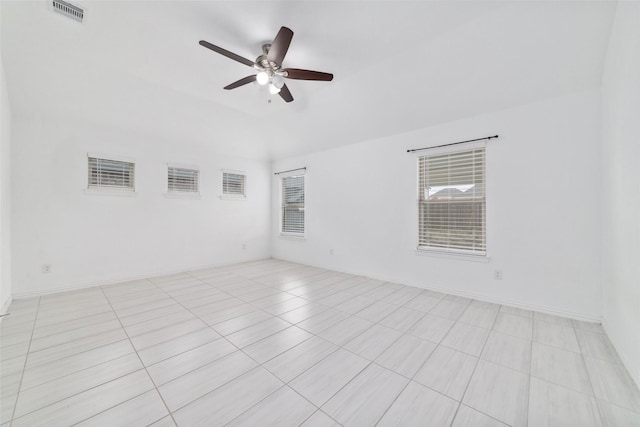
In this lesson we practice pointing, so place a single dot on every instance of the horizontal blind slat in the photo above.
(233, 184)
(106, 173)
(293, 214)
(451, 198)
(182, 180)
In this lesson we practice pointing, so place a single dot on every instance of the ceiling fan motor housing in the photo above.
(263, 61)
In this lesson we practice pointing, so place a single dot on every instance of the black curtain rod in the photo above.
(290, 170)
(453, 143)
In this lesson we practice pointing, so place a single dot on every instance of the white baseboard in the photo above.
(76, 287)
(635, 375)
(502, 301)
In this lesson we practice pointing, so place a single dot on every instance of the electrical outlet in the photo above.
(497, 274)
(46, 268)
(244, 246)
(330, 251)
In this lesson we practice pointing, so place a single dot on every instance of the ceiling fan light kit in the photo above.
(269, 66)
(273, 89)
(262, 78)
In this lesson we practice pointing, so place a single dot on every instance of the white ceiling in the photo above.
(398, 65)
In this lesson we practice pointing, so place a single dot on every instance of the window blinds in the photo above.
(182, 180)
(452, 201)
(105, 173)
(293, 204)
(233, 184)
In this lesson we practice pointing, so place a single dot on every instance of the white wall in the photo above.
(621, 186)
(543, 215)
(5, 193)
(91, 239)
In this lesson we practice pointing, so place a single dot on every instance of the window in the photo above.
(182, 180)
(293, 205)
(233, 184)
(451, 202)
(111, 174)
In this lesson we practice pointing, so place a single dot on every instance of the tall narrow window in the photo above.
(233, 184)
(111, 174)
(182, 180)
(293, 205)
(452, 202)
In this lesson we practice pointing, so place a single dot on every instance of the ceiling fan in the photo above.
(269, 66)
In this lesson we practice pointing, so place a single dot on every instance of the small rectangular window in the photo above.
(182, 180)
(111, 174)
(233, 184)
(293, 205)
(452, 202)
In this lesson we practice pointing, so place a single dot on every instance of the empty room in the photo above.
(320, 213)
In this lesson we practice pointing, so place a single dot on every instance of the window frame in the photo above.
(232, 196)
(288, 234)
(173, 194)
(453, 253)
(110, 190)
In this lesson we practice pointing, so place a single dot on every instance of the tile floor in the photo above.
(276, 343)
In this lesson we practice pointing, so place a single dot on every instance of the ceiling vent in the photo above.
(67, 9)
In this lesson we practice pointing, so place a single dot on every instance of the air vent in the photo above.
(68, 9)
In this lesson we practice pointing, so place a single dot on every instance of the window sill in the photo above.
(109, 192)
(452, 255)
(293, 237)
(182, 195)
(237, 198)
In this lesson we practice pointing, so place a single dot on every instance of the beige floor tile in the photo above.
(417, 404)
(432, 328)
(89, 403)
(509, 351)
(448, 309)
(512, 324)
(552, 405)
(377, 311)
(499, 392)
(560, 367)
(278, 343)
(325, 379)
(191, 386)
(614, 416)
(402, 319)
(466, 417)
(297, 360)
(447, 371)
(612, 383)
(365, 399)
(399, 355)
(229, 401)
(478, 316)
(555, 335)
(466, 338)
(406, 355)
(142, 410)
(190, 360)
(345, 330)
(255, 333)
(167, 349)
(597, 345)
(320, 419)
(285, 407)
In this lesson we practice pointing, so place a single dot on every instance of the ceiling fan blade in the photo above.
(298, 74)
(226, 53)
(285, 94)
(241, 82)
(280, 45)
